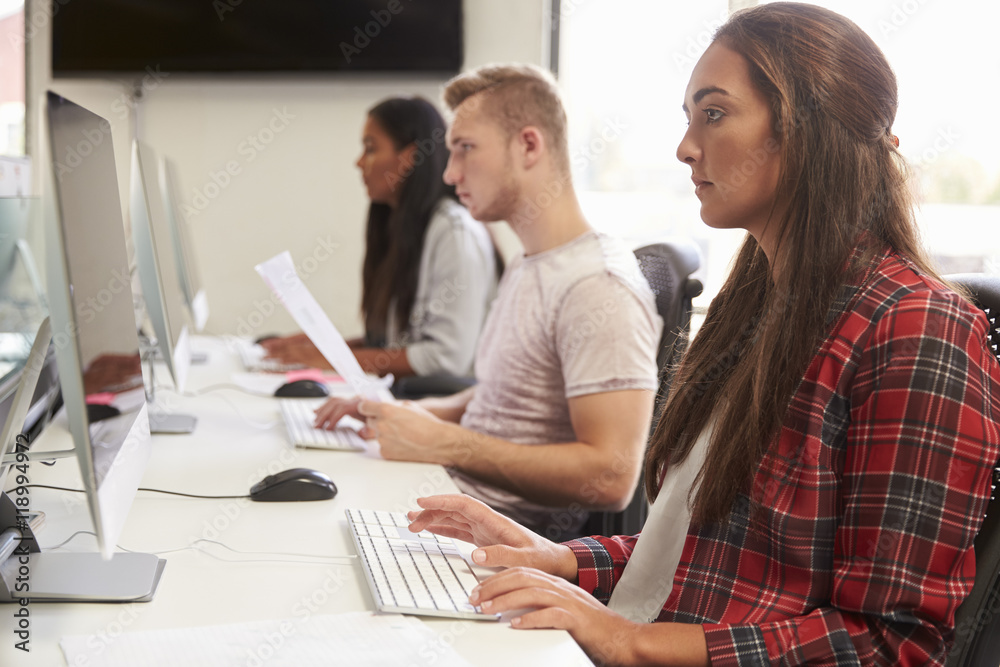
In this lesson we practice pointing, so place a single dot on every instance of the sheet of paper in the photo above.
(356, 638)
(280, 275)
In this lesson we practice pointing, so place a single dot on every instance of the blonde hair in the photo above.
(516, 96)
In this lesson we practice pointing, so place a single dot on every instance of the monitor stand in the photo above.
(160, 420)
(196, 357)
(25, 572)
(28, 574)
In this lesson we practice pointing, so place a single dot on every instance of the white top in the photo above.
(648, 577)
(455, 286)
(575, 320)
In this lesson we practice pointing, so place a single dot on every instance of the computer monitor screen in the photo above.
(156, 261)
(194, 293)
(22, 307)
(93, 321)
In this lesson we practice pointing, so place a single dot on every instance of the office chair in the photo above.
(977, 621)
(423, 386)
(667, 267)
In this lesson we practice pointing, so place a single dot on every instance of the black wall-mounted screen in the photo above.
(134, 36)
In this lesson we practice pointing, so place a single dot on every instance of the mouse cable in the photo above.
(319, 559)
(215, 387)
(235, 387)
(172, 493)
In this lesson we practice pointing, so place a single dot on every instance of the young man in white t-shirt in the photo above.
(566, 365)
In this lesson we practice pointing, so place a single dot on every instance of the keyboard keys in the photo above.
(254, 358)
(299, 415)
(420, 574)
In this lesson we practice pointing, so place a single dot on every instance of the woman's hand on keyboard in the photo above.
(501, 541)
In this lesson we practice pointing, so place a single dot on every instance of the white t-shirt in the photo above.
(575, 320)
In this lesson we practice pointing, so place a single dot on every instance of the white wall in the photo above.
(300, 190)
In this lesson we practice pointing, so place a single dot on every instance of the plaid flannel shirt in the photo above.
(860, 547)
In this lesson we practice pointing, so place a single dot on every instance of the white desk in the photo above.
(239, 439)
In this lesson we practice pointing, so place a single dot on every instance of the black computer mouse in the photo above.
(260, 339)
(98, 412)
(294, 485)
(302, 389)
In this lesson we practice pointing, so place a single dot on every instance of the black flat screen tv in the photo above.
(135, 36)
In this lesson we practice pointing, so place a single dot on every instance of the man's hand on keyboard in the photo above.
(336, 409)
(501, 541)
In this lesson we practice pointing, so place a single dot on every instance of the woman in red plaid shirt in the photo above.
(823, 459)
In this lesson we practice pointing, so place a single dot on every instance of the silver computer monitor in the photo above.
(96, 346)
(194, 291)
(93, 321)
(155, 257)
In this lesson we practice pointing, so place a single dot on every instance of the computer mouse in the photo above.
(302, 389)
(97, 412)
(260, 339)
(295, 484)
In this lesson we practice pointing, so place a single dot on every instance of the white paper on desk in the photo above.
(279, 274)
(356, 638)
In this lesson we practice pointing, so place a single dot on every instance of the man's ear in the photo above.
(531, 146)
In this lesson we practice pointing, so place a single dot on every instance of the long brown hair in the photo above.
(833, 101)
(395, 237)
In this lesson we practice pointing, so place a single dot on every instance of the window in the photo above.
(946, 57)
(624, 65)
(12, 46)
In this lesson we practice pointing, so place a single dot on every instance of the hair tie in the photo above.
(895, 140)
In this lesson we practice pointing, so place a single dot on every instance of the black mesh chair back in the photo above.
(667, 267)
(977, 621)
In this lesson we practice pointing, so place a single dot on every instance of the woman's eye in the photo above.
(713, 115)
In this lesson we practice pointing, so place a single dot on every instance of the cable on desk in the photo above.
(319, 559)
(216, 387)
(228, 385)
(172, 493)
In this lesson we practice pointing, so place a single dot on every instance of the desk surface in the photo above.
(238, 440)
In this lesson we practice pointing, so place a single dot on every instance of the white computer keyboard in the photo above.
(299, 415)
(253, 358)
(409, 573)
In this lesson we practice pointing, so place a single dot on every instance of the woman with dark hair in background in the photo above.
(430, 270)
(823, 459)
